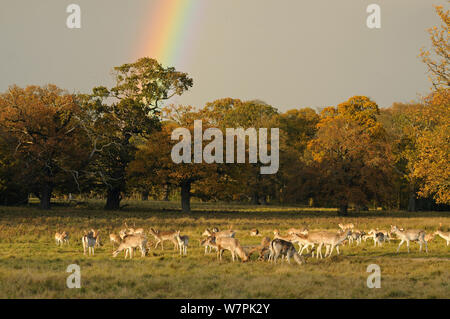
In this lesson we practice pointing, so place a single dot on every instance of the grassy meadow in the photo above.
(32, 266)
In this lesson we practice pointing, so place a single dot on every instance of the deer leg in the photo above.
(401, 242)
(319, 251)
(407, 245)
(277, 253)
(331, 251)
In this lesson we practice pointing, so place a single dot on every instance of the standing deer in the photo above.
(182, 242)
(89, 241)
(61, 238)
(417, 235)
(162, 236)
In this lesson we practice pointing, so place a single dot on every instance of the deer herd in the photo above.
(129, 239)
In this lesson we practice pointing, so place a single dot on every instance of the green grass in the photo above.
(32, 266)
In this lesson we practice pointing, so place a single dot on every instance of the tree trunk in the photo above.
(46, 195)
(263, 200)
(186, 197)
(343, 209)
(255, 200)
(166, 192)
(113, 199)
(144, 195)
(412, 199)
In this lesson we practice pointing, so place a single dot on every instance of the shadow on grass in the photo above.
(140, 209)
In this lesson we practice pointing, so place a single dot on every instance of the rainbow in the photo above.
(169, 31)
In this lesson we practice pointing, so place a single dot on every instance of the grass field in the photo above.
(32, 266)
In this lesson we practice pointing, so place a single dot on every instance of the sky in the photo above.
(288, 53)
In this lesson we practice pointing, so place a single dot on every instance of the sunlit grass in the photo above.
(32, 266)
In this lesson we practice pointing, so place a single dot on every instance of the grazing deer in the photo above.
(262, 249)
(89, 241)
(295, 237)
(131, 242)
(162, 236)
(114, 239)
(182, 242)
(231, 244)
(429, 237)
(284, 248)
(417, 235)
(443, 235)
(255, 232)
(61, 238)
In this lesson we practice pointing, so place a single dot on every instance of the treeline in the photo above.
(117, 141)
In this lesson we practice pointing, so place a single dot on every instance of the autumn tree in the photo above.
(438, 59)
(154, 164)
(45, 137)
(433, 151)
(297, 128)
(351, 156)
(433, 147)
(14, 190)
(116, 118)
(244, 180)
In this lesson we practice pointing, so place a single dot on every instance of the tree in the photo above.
(351, 156)
(402, 126)
(433, 151)
(45, 137)
(244, 180)
(153, 164)
(297, 128)
(117, 118)
(438, 60)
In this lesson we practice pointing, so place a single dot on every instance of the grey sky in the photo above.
(289, 53)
